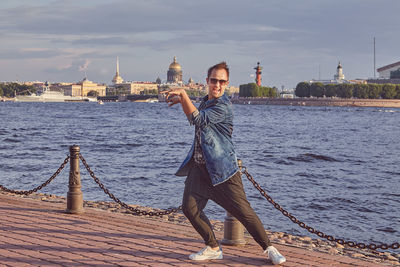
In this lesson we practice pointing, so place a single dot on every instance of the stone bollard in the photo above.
(74, 195)
(233, 229)
(233, 232)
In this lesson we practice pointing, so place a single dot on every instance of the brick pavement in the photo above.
(38, 233)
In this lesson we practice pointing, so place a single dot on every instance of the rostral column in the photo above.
(258, 74)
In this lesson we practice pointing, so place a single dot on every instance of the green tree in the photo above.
(254, 90)
(243, 90)
(154, 91)
(330, 90)
(344, 90)
(23, 89)
(265, 91)
(360, 91)
(388, 91)
(374, 91)
(1, 90)
(273, 92)
(317, 89)
(302, 89)
(9, 90)
(397, 92)
(247, 90)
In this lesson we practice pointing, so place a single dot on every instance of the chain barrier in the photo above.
(137, 211)
(117, 200)
(40, 186)
(340, 241)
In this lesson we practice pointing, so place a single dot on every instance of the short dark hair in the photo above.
(220, 66)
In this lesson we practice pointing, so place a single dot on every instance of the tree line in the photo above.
(253, 90)
(9, 89)
(346, 90)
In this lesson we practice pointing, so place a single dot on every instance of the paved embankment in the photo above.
(40, 233)
(335, 102)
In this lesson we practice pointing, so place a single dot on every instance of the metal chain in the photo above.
(40, 186)
(311, 229)
(117, 200)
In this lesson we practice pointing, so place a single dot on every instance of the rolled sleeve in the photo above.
(210, 115)
(191, 117)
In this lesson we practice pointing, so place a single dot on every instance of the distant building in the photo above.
(232, 90)
(388, 74)
(338, 78)
(174, 73)
(119, 87)
(131, 88)
(83, 88)
(284, 94)
(389, 71)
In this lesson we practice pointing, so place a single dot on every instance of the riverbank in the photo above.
(383, 103)
(302, 242)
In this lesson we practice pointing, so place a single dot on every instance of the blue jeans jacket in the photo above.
(215, 120)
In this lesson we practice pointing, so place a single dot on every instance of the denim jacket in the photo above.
(215, 120)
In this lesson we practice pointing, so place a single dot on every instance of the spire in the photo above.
(117, 78)
(117, 67)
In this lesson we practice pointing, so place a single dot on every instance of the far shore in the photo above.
(304, 242)
(335, 102)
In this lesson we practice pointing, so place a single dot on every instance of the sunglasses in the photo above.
(215, 81)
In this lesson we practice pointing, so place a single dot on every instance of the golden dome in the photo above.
(175, 65)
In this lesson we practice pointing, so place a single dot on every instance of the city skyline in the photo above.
(64, 41)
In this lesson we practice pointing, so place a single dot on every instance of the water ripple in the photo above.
(310, 157)
(335, 168)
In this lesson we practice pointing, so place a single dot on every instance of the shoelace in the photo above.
(203, 250)
(272, 252)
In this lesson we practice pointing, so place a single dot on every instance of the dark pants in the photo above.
(229, 195)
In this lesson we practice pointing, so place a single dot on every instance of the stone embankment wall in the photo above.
(387, 103)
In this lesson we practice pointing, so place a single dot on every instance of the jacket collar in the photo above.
(221, 99)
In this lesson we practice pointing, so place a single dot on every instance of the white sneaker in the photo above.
(206, 253)
(274, 255)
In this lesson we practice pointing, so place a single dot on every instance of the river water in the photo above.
(335, 168)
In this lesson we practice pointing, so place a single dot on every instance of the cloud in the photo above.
(29, 53)
(84, 66)
(285, 36)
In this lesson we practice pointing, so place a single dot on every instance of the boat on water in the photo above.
(51, 96)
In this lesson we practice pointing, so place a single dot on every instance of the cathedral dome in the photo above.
(175, 65)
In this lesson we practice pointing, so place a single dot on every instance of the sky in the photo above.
(294, 40)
